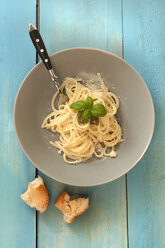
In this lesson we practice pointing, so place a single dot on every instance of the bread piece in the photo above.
(37, 195)
(71, 208)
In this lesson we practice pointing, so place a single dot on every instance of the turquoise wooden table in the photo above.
(129, 212)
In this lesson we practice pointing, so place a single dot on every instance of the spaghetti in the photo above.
(80, 141)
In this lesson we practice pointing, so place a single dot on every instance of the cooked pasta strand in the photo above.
(79, 141)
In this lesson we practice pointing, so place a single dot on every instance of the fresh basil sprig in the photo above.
(88, 109)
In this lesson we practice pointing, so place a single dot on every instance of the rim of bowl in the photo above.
(144, 84)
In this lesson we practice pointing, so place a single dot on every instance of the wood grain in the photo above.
(17, 220)
(90, 23)
(98, 24)
(144, 39)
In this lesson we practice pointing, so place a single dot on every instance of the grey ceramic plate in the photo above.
(136, 116)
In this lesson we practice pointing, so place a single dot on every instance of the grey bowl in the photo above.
(136, 116)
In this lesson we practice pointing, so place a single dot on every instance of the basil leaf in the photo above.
(89, 102)
(85, 115)
(79, 105)
(98, 110)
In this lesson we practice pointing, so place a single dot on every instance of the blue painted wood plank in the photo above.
(98, 24)
(144, 48)
(17, 56)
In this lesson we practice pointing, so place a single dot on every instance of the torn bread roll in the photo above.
(37, 195)
(70, 207)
